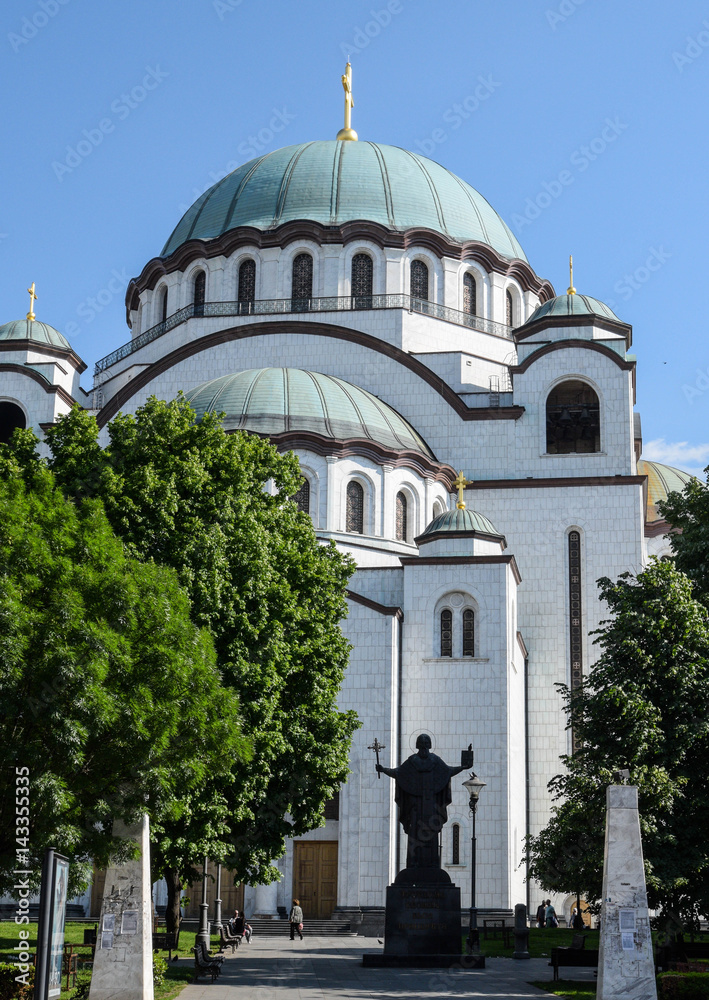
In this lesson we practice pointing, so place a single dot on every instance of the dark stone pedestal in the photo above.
(422, 926)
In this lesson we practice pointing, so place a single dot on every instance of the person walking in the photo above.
(551, 920)
(296, 920)
(542, 914)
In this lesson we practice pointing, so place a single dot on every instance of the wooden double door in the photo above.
(315, 877)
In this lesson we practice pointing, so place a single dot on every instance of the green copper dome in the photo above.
(333, 182)
(461, 520)
(278, 400)
(661, 481)
(573, 305)
(31, 329)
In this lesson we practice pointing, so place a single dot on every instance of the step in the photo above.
(278, 928)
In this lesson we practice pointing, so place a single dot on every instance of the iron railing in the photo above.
(321, 304)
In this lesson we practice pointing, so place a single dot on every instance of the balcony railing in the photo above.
(326, 303)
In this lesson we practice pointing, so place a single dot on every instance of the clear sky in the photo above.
(116, 115)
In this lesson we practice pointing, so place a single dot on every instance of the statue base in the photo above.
(422, 925)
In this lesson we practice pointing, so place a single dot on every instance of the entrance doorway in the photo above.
(315, 877)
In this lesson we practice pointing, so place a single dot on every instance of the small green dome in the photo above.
(279, 400)
(31, 329)
(573, 305)
(333, 182)
(461, 520)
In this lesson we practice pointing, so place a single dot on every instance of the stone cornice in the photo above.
(560, 345)
(546, 322)
(559, 482)
(463, 561)
(40, 380)
(32, 345)
(484, 535)
(279, 327)
(381, 609)
(303, 229)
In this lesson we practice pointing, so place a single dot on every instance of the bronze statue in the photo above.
(423, 794)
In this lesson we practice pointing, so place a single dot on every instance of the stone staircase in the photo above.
(313, 928)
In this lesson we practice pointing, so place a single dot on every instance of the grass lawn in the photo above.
(541, 941)
(175, 978)
(569, 988)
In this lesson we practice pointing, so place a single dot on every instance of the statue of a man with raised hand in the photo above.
(423, 794)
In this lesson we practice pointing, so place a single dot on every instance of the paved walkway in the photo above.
(329, 968)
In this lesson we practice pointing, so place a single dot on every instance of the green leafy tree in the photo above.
(688, 512)
(644, 706)
(190, 496)
(110, 697)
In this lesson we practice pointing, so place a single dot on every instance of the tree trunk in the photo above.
(172, 911)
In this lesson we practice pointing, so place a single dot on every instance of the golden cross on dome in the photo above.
(33, 296)
(571, 290)
(460, 483)
(348, 132)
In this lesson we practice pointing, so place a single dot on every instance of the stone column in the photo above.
(266, 904)
(123, 964)
(332, 498)
(625, 963)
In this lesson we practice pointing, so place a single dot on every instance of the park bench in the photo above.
(492, 927)
(204, 967)
(207, 955)
(228, 940)
(166, 941)
(574, 956)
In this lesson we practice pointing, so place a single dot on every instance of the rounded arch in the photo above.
(197, 288)
(356, 496)
(513, 306)
(455, 616)
(573, 417)
(471, 299)
(287, 260)
(162, 297)
(12, 417)
(352, 250)
(435, 272)
(362, 280)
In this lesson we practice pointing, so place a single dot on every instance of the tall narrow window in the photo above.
(575, 617)
(355, 508)
(200, 291)
(446, 632)
(302, 498)
(468, 632)
(573, 419)
(401, 517)
(362, 272)
(455, 852)
(163, 305)
(419, 280)
(302, 286)
(510, 303)
(470, 295)
(247, 285)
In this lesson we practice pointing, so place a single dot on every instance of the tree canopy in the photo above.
(644, 706)
(187, 495)
(688, 513)
(109, 694)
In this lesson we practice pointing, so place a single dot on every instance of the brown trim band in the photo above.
(461, 561)
(40, 380)
(660, 527)
(279, 327)
(381, 609)
(484, 535)
(558, 483)
(522, 645)
(545, 322)
(32, 345)
(304, 229)
(560, 345)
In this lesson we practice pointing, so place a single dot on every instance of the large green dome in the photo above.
(32, 329)
(279, 400)
(333, 182)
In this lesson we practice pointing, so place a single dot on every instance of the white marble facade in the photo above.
(478, 399)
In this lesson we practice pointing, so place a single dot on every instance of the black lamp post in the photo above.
(473, 787)
(203, 932)
(218, 901)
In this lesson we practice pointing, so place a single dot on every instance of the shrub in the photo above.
(12, 990)
(683, 986)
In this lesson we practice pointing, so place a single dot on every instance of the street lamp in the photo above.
(473, 786)
(218, 902)
(203, 932)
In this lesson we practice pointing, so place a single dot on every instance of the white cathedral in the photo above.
(464, 433)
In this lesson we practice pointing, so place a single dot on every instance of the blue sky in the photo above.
(591, 139)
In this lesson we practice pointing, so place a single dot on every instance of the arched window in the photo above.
(302, 498)
(163, 305)
(355, 507)
(362, 276)
(302, 285)
(247, 285)
(573, 419)
(401, 517)
(446, 632)
(11, 417)
(470, 295)
(437, 508)
(510, 304)
(200, 290)
(419, 280)
(455, 853)
(468, 632)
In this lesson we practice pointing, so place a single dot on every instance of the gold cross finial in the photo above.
(571, 290)
(348, 132)
(460, 483)
(33, 296)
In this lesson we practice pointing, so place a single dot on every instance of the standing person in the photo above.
(551, 920)
(542, 914)
(296, 920)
